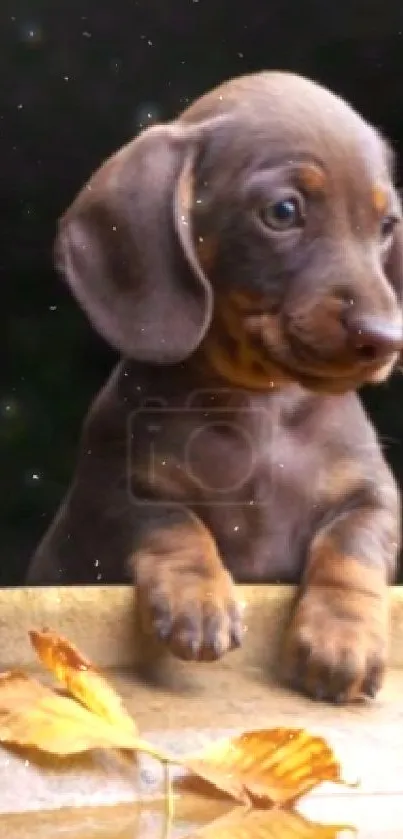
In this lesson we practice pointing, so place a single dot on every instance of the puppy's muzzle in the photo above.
(371, 339)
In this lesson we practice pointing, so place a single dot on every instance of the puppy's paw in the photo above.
(336, 646)
(199, 619)
(186, 597)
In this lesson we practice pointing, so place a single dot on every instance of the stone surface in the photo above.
(181, 708)
(379, 818)
(102, 619)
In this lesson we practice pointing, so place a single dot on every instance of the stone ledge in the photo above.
(196, 704)
(101, 620)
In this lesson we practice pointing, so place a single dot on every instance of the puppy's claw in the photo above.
(219, 646)
(373, 682)
(370, 691)
(198, 622)
(332, 658)
(236, 636)
(163, 628)
(340, 698)
(319, 693)
(186, 647)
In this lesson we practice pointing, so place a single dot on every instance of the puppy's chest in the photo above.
(254, 480)
(263, 530)
(223, 455)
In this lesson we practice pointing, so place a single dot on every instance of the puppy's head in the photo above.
(261, 228)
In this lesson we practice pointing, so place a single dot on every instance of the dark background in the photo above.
(77, 79)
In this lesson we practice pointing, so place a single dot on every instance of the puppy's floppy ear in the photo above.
(125, 248)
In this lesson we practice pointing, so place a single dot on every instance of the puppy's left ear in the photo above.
(126, 248)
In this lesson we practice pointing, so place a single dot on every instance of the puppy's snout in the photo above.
(372, 339)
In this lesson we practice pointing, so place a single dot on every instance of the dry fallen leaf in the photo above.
(267, 767)
(18, 692)
(273, 824)
(81, 678)
(263, 768)
(32, 715)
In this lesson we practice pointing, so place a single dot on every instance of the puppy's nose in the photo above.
(373, 338)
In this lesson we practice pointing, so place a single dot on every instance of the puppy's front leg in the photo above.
(336, 647)
(185, 594)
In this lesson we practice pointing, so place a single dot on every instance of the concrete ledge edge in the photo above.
(101, 621)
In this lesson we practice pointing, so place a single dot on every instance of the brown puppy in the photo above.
(247, 261)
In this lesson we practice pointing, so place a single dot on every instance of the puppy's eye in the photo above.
(388, 225)
(283, 214)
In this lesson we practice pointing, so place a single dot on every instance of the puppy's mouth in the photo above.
(255, 366)
(304, 363)
(253, 349)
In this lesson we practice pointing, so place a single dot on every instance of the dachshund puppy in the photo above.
(246, 260)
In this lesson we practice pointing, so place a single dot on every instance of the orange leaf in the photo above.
(81, 678)
(275, 824)
(33, 716)
(267, 767)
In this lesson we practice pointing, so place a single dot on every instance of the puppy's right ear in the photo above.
(125, 248)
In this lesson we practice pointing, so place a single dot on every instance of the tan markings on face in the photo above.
(379, 199)
(312, 179)
(232, 352)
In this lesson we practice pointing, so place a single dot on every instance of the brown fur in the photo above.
(229, 443)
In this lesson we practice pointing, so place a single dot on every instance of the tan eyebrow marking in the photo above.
(379, 199)
(312, 178)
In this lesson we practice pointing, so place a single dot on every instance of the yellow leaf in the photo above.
(275, 824)
(264, 768)
(267, 767)
(32, 715)
(18, 691)
(81, 678)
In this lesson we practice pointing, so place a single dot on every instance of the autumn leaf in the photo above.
(273, 824)
(263, 768)
(81, 678)
(267, 767)
(34, 716)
